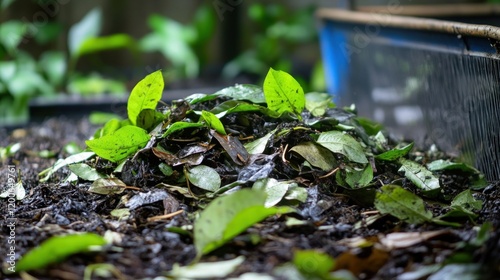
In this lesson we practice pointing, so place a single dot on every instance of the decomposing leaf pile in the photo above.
(229, 160)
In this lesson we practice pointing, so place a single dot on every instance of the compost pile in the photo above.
(249, 182)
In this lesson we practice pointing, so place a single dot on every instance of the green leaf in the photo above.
(258, 146)
(400, 203)
(235, 106)
(227, 216)
(464, 205)
(63, 162)
(275, 190)
(313, 264)
(371, 127)
(177, 126)
(98, 44)
(316, 155)
(9, 150)
(120, 144)
(213, 122)
(420, 176)
(220, 269)
(57, 248)
(11, 35)
(339, 142)
(204, 177)
(149, 119)
(85, 172)
(53, 64)
(394, 154)
(251, 93)
(283, 93)
(358, 178)
(297, 193)
(88, 27)
(317, 103)
(145, 95)
(442, 164)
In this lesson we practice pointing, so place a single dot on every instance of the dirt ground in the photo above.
(147, 249)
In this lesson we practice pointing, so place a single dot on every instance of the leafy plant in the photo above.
(22, 77)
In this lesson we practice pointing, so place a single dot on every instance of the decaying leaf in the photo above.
(107, 186)
(316, 155)
(233, 147)
(398, 202)
(204, 177)
(146, 198)
(420, 176)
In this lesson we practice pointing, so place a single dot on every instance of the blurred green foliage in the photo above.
(184, 46)
(276, 33)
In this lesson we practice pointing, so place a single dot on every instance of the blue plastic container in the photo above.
(432, 80)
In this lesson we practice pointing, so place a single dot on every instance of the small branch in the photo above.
(164, 217)
(329, 173)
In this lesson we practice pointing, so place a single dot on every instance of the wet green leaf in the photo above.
(220, 269)
(120, 144)
(358, 178)
(442, 164)
(258, 146)
(64, 162)
(396, 153)
(274, 189)
(317, 103)
(316, 155)
(213, 122)
(248, 92)
(204, 177)
(227, 216)
(57, 248)
(85, 172)
(145, 95)
(464, 205)
(283, 93)
(109, 128)
(297, 193)
(180, 126)
(371, 127)
(400, 203)
(339, 142)
(420, 176)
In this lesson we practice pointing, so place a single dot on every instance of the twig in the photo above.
(329, 173)
(163, 217)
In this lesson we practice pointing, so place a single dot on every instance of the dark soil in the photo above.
(147, 249)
